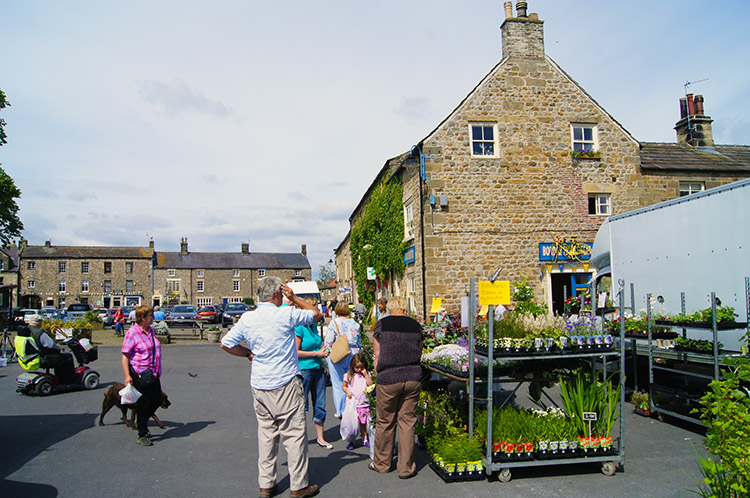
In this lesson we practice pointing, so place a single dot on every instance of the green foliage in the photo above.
(377, 239)
(249, 301)
(455, 448)
(523, 295)
(437, 414)
(92, 316)
(326, 273)
(582, 392)
(726, 411)
(10, 223)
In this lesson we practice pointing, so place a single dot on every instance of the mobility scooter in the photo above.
(65, 377)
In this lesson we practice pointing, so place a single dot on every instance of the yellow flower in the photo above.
(369, 389)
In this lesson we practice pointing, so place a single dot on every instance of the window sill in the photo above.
(586, 158)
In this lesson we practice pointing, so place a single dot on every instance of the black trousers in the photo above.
(147, 405)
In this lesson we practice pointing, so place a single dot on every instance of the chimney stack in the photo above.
(245, 248)
(22, 243)
(304, 250)
(183, 246)
(523, 35)
(694, 127)
(151, 244)
(47, 243)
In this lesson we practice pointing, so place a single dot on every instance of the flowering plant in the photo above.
(372, 400)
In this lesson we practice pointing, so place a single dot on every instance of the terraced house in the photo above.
(522, 173)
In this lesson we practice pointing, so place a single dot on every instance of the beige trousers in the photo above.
(397, 405)
(281, 416)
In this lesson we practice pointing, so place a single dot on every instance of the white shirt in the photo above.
(269, 333)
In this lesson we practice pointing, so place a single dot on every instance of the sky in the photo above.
(236, 121)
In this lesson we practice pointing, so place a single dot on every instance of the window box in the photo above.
(585, 154)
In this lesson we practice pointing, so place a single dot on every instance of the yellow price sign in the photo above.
(494, 293)
(436, 304)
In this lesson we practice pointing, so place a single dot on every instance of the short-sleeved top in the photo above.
(345, 326)
(400, 339)
(310, 342)
(269, 333)
(143, 348)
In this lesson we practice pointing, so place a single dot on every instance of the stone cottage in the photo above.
(522, 173)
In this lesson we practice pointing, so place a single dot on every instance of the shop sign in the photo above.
(410, 255)
(370, 273)
(565, 250)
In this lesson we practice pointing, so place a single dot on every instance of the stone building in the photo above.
(522, 173)
(108, 276)
(201, 278)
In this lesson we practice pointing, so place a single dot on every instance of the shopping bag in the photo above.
(129, 395)
(349, 427)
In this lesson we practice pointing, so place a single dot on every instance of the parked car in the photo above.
(234, 310)
(102, 312)
(48, 312)
(210, 314)
(109, 320)
(77, 310)
(182, 313)
(126, 311)
(28, 313)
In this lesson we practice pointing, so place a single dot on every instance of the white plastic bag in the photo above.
(129, 395)
(349, 427)
(85, 344)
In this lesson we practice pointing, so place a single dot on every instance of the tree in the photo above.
(10, 224)
(326, 273)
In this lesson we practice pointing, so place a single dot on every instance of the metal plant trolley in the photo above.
(504, 468)
(691, 370)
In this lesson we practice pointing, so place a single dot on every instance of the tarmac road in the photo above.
(53, 446)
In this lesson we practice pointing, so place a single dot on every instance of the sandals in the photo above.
(327, 446)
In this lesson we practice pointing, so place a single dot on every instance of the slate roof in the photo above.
(87, 252)
(684, 157)
(12, 253)
(231, 260)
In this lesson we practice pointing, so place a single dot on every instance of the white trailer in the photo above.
(695, 244)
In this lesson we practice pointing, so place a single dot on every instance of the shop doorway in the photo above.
(565, 285)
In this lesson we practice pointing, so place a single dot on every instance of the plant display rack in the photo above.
(682, 376)
(492, 460)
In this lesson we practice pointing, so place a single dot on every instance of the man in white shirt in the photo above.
(276, 381)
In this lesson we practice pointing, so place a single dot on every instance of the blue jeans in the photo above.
(314, 383)
(118, 328)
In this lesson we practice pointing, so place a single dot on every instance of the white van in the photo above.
(305, 289)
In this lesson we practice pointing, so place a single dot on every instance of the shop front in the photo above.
(564, 266)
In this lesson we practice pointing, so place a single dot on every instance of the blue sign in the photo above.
(410, 255)
(566, 250)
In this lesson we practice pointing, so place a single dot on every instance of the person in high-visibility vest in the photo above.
(27, 349)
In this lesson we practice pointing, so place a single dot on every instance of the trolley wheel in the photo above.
(45, 387)
(608, 468)
(504, 475)
(91, 381)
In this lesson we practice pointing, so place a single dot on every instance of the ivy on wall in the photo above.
(377, 240)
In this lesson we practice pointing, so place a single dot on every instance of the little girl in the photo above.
(355, 382)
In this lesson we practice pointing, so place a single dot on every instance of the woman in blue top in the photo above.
(311, 365)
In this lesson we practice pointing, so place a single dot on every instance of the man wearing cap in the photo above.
(51, 355)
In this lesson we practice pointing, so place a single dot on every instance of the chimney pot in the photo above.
(521, 7)
(683, 108)
(508, 9)
(691, 104)
(698, 105)
(534, 16)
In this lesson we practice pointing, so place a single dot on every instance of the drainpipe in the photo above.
(422, 177)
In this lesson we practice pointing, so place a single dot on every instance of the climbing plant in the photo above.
(377, 240)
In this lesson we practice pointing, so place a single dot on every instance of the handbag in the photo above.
(147, 377)
(340, 347)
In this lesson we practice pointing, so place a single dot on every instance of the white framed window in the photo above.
(199, 273)
(600, 204)
(236, 285)
(687, 188)
(236, 273)
(199, 286)
(62, 266)
(84, 266)
(31, 265)
(409, 220)
(171, 272)
(297, 273)
(483, 139)
(261, 273)
(84, 285)
(128, 267)
(203, 301)
(31, 284)
(173, 285)
(129, 286)
(584, 137)
(107, 286)
(234, 300)
(61, 286)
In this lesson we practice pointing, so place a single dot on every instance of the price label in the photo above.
(436, 304)
(590, 416)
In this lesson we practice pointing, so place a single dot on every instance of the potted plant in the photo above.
(213, 334)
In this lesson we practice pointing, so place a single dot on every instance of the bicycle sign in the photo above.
(563, 249)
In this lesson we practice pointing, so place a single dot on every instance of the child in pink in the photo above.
(355, 382)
